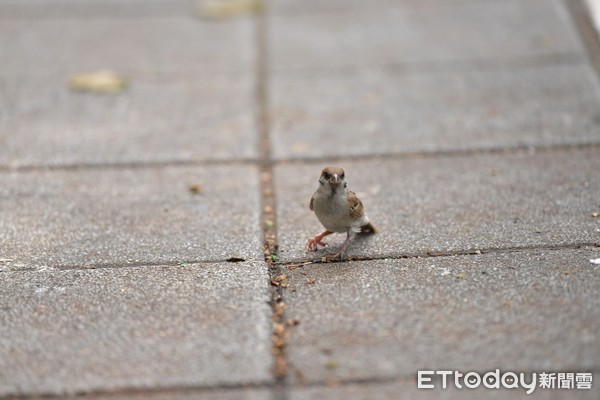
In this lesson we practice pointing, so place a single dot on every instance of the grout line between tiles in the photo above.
(508, 150)
(437, 254)
(266, 163)
(279, 331)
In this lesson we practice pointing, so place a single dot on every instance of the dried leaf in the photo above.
(279, 329)
(460, 276)
(280, 280)
(222, 9)
(281, 367)
(331, 364)
(196, 188)
(278, 311)
(98, 82)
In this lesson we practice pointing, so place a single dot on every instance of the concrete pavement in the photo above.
(132, 224)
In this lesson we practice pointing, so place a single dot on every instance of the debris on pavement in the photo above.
(196, 188)
(104, 81)
(223, 9)
(280, 280)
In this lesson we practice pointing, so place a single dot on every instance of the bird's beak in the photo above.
(335, 180)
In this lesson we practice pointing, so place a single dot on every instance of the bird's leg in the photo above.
(314, 243)
(340, 253)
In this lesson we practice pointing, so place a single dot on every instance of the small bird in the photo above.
(338, 209)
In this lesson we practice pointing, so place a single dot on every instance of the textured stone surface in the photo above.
(92, 299)
(448, 31)
(134, 327)
(520, 311)
(159, 118)
(128, 45)
(115, 216)
(206, 394)
(393, 391)
(451, 203)
(378, 111)
(47, 9)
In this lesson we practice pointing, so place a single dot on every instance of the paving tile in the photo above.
(377, 111)
(531, 311)
(451, 203)
(117, 216)
(47, 9)
(134, 327)
(160, 118)
(249, 393)
(390, 33)
(392, 391)
(293, 7)
(128, 45)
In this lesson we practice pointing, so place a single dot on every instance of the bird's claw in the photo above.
(314, 243)
(332, 257)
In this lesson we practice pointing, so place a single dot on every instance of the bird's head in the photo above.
(333, 177)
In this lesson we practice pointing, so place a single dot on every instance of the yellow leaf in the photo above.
(99, 82)
(221, 9)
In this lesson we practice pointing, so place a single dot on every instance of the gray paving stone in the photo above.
(134, 327)
(394, 111)
(391, 33)
(294, 7)
(128, 45)
(47, 9)
(393, 391)
(451, 203)
(531, 311)
(248, 393)
(208, 394)
(117, 216)
(159, 118)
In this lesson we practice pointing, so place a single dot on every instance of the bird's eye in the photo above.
(342, 176)
(326, 175)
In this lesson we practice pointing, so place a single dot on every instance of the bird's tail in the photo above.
(368, 229)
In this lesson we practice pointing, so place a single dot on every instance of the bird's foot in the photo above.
(332, 257)
(314, 243)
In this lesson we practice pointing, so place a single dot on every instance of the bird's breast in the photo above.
(333, 212)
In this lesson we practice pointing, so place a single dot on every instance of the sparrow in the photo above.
(338, 209)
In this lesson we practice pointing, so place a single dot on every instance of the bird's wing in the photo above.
(312, 200)
(355, 205)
